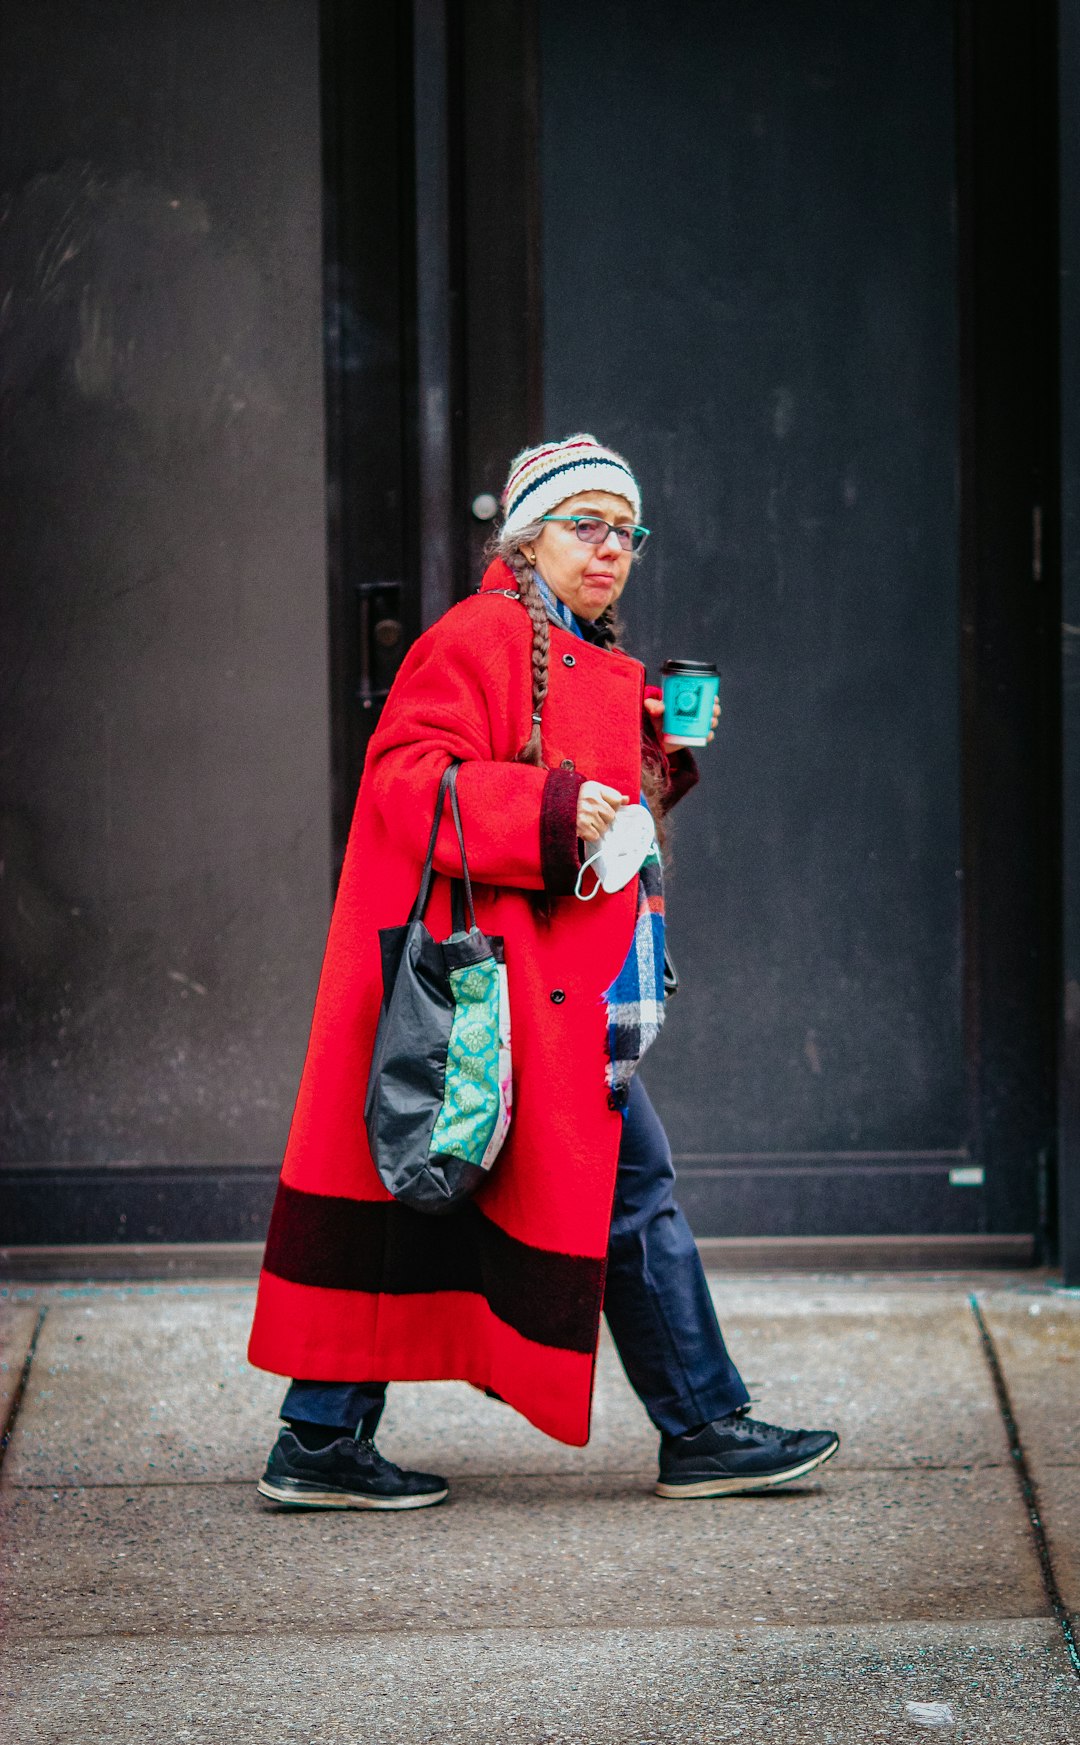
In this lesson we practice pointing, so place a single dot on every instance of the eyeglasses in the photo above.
(594, 531)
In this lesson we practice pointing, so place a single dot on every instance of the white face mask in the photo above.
(620, 851)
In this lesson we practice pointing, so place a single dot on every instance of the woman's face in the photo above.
(586, 577)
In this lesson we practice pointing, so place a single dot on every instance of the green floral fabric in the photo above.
(472, 1108)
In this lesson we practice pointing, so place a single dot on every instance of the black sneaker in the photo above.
(349, 1474)
(738, 1453)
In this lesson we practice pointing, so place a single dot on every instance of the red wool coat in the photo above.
(506, 1293)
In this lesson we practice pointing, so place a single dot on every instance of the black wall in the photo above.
(796, 263)
(750, 284)
(1070, 649)
(164, 749)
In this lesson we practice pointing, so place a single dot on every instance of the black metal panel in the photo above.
(165, 744)
(371, 450)
(1009, 571)
(393, 201)
(209, 1204)
(438, 397)
(218, 1204)
(498, 97)
(749, 274)
(1069, 1178)
(816, 1199)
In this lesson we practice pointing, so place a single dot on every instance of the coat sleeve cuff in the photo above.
(683, 774)
(560, 860)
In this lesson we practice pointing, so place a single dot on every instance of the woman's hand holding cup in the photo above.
(596, 809)
(691, 690)
(655, 707)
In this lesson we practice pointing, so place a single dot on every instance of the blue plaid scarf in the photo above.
(635, 999)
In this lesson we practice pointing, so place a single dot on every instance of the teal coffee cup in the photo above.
(691, 688)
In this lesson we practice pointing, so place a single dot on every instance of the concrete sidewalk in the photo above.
(149, 1595)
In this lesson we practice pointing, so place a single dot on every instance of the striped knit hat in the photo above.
(541, 478)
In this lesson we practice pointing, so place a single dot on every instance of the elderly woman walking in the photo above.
(526, 685)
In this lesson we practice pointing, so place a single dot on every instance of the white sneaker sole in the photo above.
(733, 1487)
(314, 1499)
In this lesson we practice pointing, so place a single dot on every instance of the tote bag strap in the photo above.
(461, 843)
(448, 780)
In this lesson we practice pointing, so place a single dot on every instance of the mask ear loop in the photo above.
(581, 874)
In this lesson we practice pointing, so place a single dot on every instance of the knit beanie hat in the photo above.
(541, 478)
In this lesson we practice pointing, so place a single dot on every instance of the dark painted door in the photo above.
(749, 285)
(164, 789)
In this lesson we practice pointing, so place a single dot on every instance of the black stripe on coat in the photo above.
(380, 1246)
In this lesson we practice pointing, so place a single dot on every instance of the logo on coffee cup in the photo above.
(686, 700)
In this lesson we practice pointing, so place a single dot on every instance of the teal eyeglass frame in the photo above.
(637, 534)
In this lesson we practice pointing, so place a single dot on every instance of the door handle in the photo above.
(381, 641)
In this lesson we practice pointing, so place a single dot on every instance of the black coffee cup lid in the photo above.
(695, 667)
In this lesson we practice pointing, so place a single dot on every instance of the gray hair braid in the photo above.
(610, 629)
(509, 549)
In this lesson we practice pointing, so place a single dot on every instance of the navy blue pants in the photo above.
(656, 1301)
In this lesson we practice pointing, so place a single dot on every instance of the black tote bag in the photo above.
(439, 1093)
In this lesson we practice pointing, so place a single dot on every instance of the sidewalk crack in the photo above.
(7, 1428)
(1028, 1488)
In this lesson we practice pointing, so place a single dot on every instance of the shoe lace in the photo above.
(377, 1460)
(742, 1413)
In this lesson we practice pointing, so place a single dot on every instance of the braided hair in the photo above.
(509, 549)
(607, 630)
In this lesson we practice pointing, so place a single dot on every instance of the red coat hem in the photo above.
(437, 1336)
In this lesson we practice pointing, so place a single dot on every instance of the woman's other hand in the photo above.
(596, 808)
(655, 706)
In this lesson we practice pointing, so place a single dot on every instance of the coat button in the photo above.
(567, 763)
(557, 996)
(568, 660)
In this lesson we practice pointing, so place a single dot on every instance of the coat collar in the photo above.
(499, 576)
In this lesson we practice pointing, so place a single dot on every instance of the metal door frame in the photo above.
(1009, 583)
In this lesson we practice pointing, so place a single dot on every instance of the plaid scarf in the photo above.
(635, 999)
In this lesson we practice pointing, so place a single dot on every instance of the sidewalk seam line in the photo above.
(555, 1475)
(1028, 1488)
(7, 1430)
(736, 1627)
